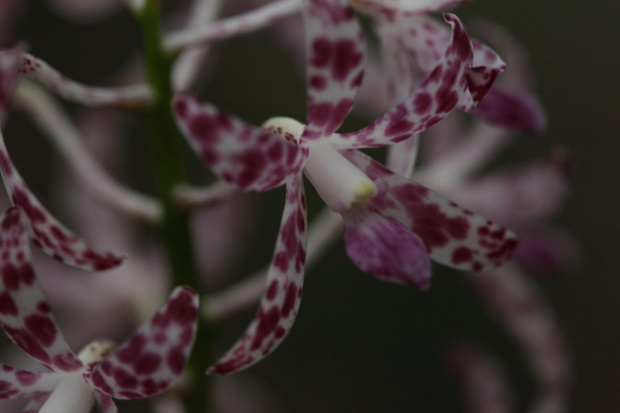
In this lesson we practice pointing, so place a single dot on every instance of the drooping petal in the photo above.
(241, 154)
(47, 232)
(383, 247)
(154, 357)
(130, 96)
(10, 62)
(445, 88)
(16, 384)
(25, 314)
(519, 195)
(389, 9)
(279, 306)
(335, 50)
(454, 236)
(512, 109)
(106, 404)
(484, 381)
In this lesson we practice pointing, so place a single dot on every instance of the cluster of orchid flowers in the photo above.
(428, 78)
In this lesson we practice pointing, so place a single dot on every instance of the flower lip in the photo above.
(286, 128)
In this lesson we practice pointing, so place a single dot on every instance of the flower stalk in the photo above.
(167, 157)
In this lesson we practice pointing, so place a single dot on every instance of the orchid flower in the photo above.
(392, 225)
(47, 232)
(145, 365)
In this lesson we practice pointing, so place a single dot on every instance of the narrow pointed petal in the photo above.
(335, 50)
(383, 247)
(279, 306)
(10, 62)
(16, 384)
(512, 109)
(149, 362)
(389, 9)
(445, 88)
(106, 404)
(241, 154)
(454, 236)
(25, 314)
(483, 379)
(130, 96)
(47, 232)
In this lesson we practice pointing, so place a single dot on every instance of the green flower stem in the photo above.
(166, 150)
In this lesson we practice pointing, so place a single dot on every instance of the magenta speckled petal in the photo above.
(512, 109)
(154, 357)
(389, 9)
(454, 236)
(383, 247)
(241, 154)
(336, 51)
(106, 404)
(47, 232)
(445, 88)
(279, 305)
(10, 62)
(25, 314)
(16, 384)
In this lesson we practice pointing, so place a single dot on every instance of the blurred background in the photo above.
(359, 344)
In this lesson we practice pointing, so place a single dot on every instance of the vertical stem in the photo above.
(166, 150)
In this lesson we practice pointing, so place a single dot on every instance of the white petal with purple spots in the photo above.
(16, 384)
(279, 305)
(25, 314)
(149, 362)
(239, 153)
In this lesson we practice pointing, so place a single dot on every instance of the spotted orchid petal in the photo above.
(47, 232)
(440, 93)
(389, 9)
(239, 153)
(16, 384)
(454, 236)
(519, 195)
(106, 404)
(279, 306)
(335, 50)
(130, 96)
(383, 247)
(25, 314)
(149, 362)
